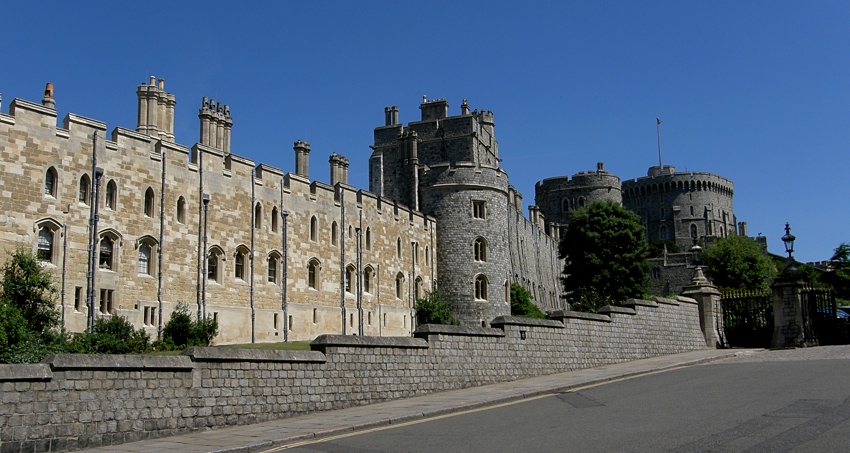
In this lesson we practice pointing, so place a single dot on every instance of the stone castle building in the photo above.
(271, 255)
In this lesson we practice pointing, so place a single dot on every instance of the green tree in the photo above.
(605, 252)
(839, 276)
(29, 287)
(28, 316)
(521, 304)
(738, 262)
(434, 309)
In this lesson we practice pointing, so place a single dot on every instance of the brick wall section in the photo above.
(77, 401)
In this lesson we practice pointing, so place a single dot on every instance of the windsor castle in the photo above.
(131, 223)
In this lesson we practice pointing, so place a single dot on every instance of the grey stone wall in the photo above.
(559, 196)
(73, 401)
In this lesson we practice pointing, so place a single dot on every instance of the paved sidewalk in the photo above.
(247, 438)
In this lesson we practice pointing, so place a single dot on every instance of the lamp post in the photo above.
(696, 259)
(788, 239)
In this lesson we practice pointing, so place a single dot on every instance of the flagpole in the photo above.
(658, 130)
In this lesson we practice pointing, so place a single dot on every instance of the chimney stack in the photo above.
(302, 158)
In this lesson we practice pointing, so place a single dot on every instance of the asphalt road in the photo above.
(778, 401)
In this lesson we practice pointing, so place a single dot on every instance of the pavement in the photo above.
(263, 436)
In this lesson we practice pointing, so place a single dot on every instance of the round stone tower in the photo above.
(454, 162)
(681, 206)
(558, 197)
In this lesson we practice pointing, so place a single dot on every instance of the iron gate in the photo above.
(747, 318)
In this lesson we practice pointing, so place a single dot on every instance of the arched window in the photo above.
(427, 256)
(314, 229)
(399, 285)
(662, 232)
(334, 234)
(213, 264)
(111, 194)
(85, 189)
(350, 232)
(240, 263)
(313, 268)
(694, 231)
(368, 238)
(147, 255)
(273, 261)
(367, 280)
(480, 249)
(350, 276)
(581, 202)
(481, 287)
(46, 236)
(181, 210)
(51, 181)
(565, 205)
(258, 216)
(149, 204)
(417, 288)
(106, 259)
(274, 219)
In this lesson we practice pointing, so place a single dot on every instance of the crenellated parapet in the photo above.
(560, 196)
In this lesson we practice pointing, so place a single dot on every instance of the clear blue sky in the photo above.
(755, 91)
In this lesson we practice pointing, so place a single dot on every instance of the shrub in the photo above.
(434, 309)
(521, 304)
(110, 335)
(181, 331)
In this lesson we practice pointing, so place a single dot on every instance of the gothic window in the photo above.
(479, 209)
(107, 249)
(314, 229)
(258, 216)
(106, 300)
(480, 249)
(427, 256)
(581, 202)
(51, 180)
(350, 275)
(399, 285)
(274, 219)
(46, 236)
(417, 288)
(85, 188)
(662, 232)
(111, 194)
(694, 231)
(240, 261)
(398, 248)
(149, 204)
(565, 205)
(181, 210)
(415, 248)
(334, 234)
(368, 238)
(313, 274)
(273, 261)
(367, 280)
(145, 250)
(213, 261)
(481, 287)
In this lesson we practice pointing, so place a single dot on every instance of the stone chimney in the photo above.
(156, 110)
(302, 158)
(47, 100)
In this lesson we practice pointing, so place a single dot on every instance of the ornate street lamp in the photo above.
(696, 254)
(788, 239)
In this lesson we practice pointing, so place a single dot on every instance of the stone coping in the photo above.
(323, 341)
(609, 309)
(435, 329)
(689, 300)
(117, 362)
(222, 354)
(25, 372)
(518, 321)
(667, 301)
(632, 303)
(569, 314)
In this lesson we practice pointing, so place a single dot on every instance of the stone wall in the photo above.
(73, 401)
